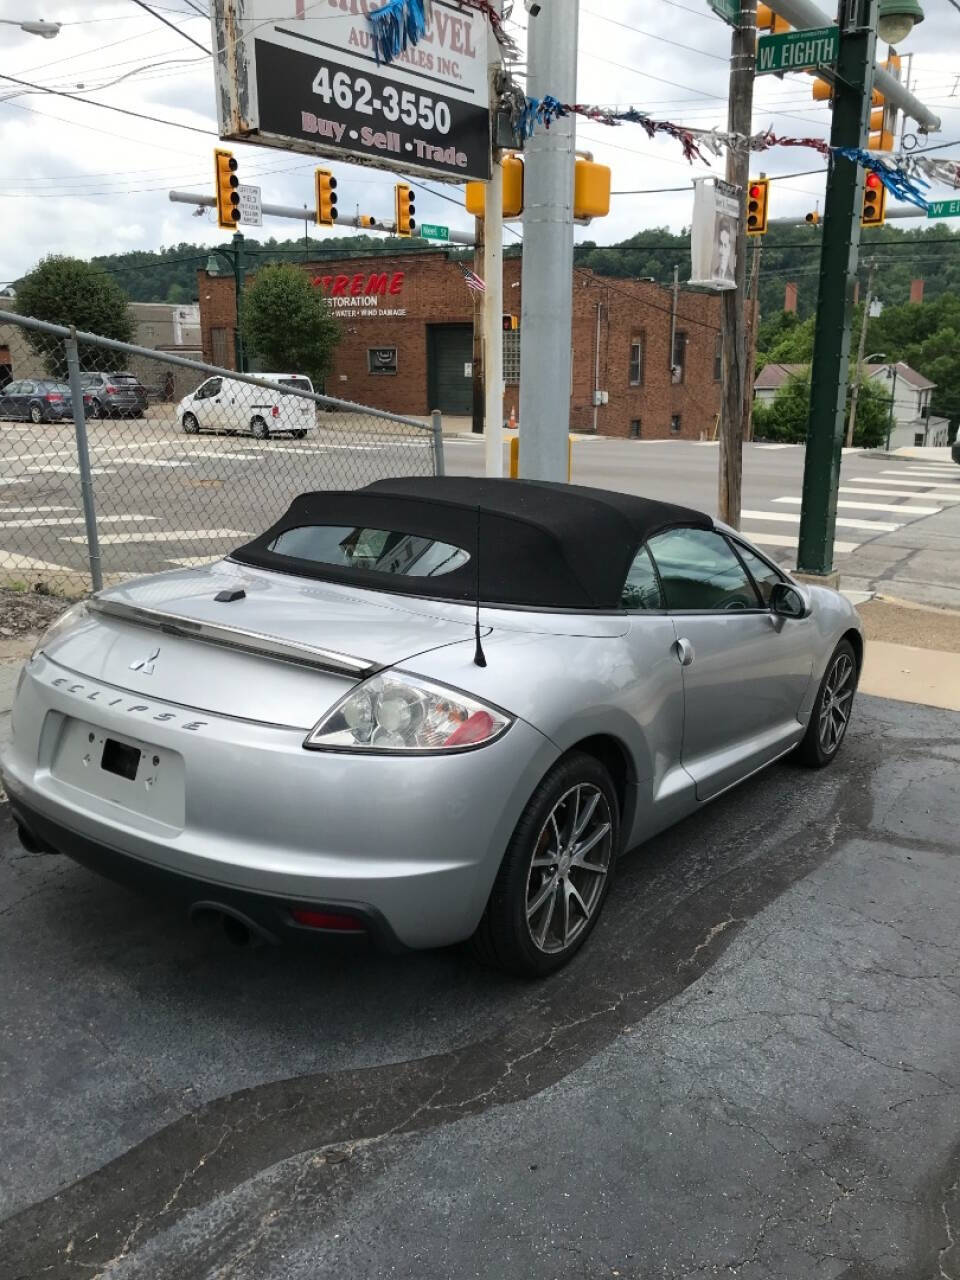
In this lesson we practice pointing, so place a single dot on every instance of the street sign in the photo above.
(943, 209)
(250, 211)
(309, 81)
(797, 50)
(430, 231)
(728, 10)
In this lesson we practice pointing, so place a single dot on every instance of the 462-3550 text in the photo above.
(355, 93)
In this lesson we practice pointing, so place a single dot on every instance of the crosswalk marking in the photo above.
(902, 508)
(42, 522)
(17, 511)
(907, 484)
(777, 446)
(10, 561)
(67, 471)
(792, 517)
(923, 477)
(763, 539)
(900, 493)
(167, 535)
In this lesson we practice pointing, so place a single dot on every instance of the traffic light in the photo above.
(476, 192)
(770, 22)
(813, 218)
(367, 220)
(591, 190)
(874, 202)
(326, 187)
(405, 209)
(228, 189)
(757, 198)
(881, 138)
(511, 324)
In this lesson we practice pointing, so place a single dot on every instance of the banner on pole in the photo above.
(714, 232)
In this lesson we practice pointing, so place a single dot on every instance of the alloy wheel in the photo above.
(569, 868)
(835, 703)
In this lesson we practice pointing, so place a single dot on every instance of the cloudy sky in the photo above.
(82, 179)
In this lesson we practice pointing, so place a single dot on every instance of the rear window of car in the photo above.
(302, 384)
(124, 379)
(382, 550)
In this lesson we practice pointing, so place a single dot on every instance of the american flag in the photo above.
(473, 281)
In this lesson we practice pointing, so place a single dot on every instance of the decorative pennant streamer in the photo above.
(945, 171)
(893, 176)
(395, 26)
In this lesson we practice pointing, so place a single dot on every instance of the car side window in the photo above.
(700, 572)
(764, 575)
(12, 389)
(27, 388)
(208, 389)
(642, 588)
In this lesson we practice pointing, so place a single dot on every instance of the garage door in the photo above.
(449, 373)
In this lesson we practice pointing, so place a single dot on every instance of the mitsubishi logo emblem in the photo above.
(146, 665)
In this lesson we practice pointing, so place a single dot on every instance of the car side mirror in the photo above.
(787, 602)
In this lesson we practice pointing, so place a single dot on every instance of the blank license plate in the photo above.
(121, 759)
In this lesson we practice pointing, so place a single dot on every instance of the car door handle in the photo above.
(685, 652)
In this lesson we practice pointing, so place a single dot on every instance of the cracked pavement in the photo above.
(752, 1070)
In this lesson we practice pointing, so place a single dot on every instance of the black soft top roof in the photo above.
(552, 546)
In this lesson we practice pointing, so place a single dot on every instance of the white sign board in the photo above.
(250, 211)
(713, 234)
(304, 77)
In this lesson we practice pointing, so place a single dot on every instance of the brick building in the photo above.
(407, 343)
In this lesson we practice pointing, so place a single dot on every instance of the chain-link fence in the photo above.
(172, 462)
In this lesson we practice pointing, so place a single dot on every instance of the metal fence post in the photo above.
(83, 460)
(438, 442)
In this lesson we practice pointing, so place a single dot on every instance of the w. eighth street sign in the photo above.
(943, 209)
(797, 50)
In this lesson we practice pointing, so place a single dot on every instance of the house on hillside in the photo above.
(910, 392)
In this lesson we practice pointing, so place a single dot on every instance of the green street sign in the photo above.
(728, 10)
(797, 50)
(428, 231)
(943, 209)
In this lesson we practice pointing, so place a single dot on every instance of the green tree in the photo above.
(287, 324)
(69, 291)
(785, 420)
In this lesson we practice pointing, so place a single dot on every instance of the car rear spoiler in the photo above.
(264, 646)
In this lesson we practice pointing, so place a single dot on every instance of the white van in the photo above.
(226, 404)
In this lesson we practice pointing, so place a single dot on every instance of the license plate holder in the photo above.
(121, 759)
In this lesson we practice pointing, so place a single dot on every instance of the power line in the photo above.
(105, 106)
(173, 26)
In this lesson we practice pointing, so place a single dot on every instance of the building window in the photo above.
(718, 359)
(636, 362)
(918, 439)
(511, 357)
(382, 359)
(634, 428)
(675, 424)
(679, 367)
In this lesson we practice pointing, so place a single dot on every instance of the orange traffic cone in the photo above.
(512, 424)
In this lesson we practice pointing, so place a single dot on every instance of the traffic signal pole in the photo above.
(838, 275)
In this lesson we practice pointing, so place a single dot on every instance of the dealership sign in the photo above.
(310, 82)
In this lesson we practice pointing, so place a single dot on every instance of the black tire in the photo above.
(259, 428)
(505, 937)
(96, 410)
(828, 723)
(299, 435)
(190, 424)
(36, 414)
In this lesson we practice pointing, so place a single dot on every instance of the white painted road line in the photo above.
(67, 471)
(21, 480)
(913, 476)
(901, 508)
(791, 517)
(907, 484)
(10, 561)
(900, 493)
(763, 539)
(169, 535)
(777, 446)
(17, 511)
(147, 462)
(53, 521)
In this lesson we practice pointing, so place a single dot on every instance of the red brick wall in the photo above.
(433, 292)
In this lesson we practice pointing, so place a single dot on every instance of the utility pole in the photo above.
(838, 275)
(672, 359)
(479, 402)
(743, 46)
(855, 393)
(549, 163)
(752, 323)
(493, 280)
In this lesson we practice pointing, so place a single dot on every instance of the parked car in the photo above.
(115, 395)
(227, 404)
(425, 711)
(37, 400)
(955, 450)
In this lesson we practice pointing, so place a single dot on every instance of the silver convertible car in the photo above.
(425, 711)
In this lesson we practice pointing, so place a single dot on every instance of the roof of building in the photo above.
(530, 544)
(773, 376)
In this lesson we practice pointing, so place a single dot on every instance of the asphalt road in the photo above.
(166, 500)
(753, 1069)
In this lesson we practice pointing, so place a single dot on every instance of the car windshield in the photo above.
(382, 550)
(302, 384)
(89, 379)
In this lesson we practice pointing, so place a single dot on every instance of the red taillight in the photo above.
(476, 728)
(111, 391)
(326, 920)
(275, 411)
(53, 397)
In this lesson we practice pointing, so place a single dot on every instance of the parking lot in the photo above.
(751, 1070)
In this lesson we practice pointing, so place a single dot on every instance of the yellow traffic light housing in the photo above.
(510, 323)
(228, 189)
(874, 202)
(769, 21)
(591, 190)
(476, 192)
(813, 218)
(326, 202)
(758, 192)
(405, 207)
